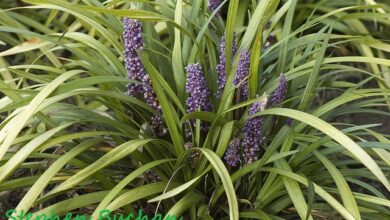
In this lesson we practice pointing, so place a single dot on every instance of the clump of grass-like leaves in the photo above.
(210, 111)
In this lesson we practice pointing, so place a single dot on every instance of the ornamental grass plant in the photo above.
(202, 109)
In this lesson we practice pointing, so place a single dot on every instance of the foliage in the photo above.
(75, 141)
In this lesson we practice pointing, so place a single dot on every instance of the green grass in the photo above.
(68, 128)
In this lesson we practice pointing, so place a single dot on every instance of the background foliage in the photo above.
(72, 140)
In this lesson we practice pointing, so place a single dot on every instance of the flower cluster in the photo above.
(198, 99)
(232, 156)
(251, 132)
(197, 88)
(242, 74)
(133, 41)
(252, 136)
(279, 94)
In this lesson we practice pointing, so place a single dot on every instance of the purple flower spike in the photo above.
(133, 41)
(242, 68)
(198, 99)
(213, 4)
(133, 35)
(242, 74)
(221, 66)
(232, 156)
(279, 94)
(252, 136)
(198, 91)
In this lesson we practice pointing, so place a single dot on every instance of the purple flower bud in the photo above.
(279, 94)
(232, 155)
(242, 74)
(252, 136)
(213, 4)
(221, 66)
(197, 88)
